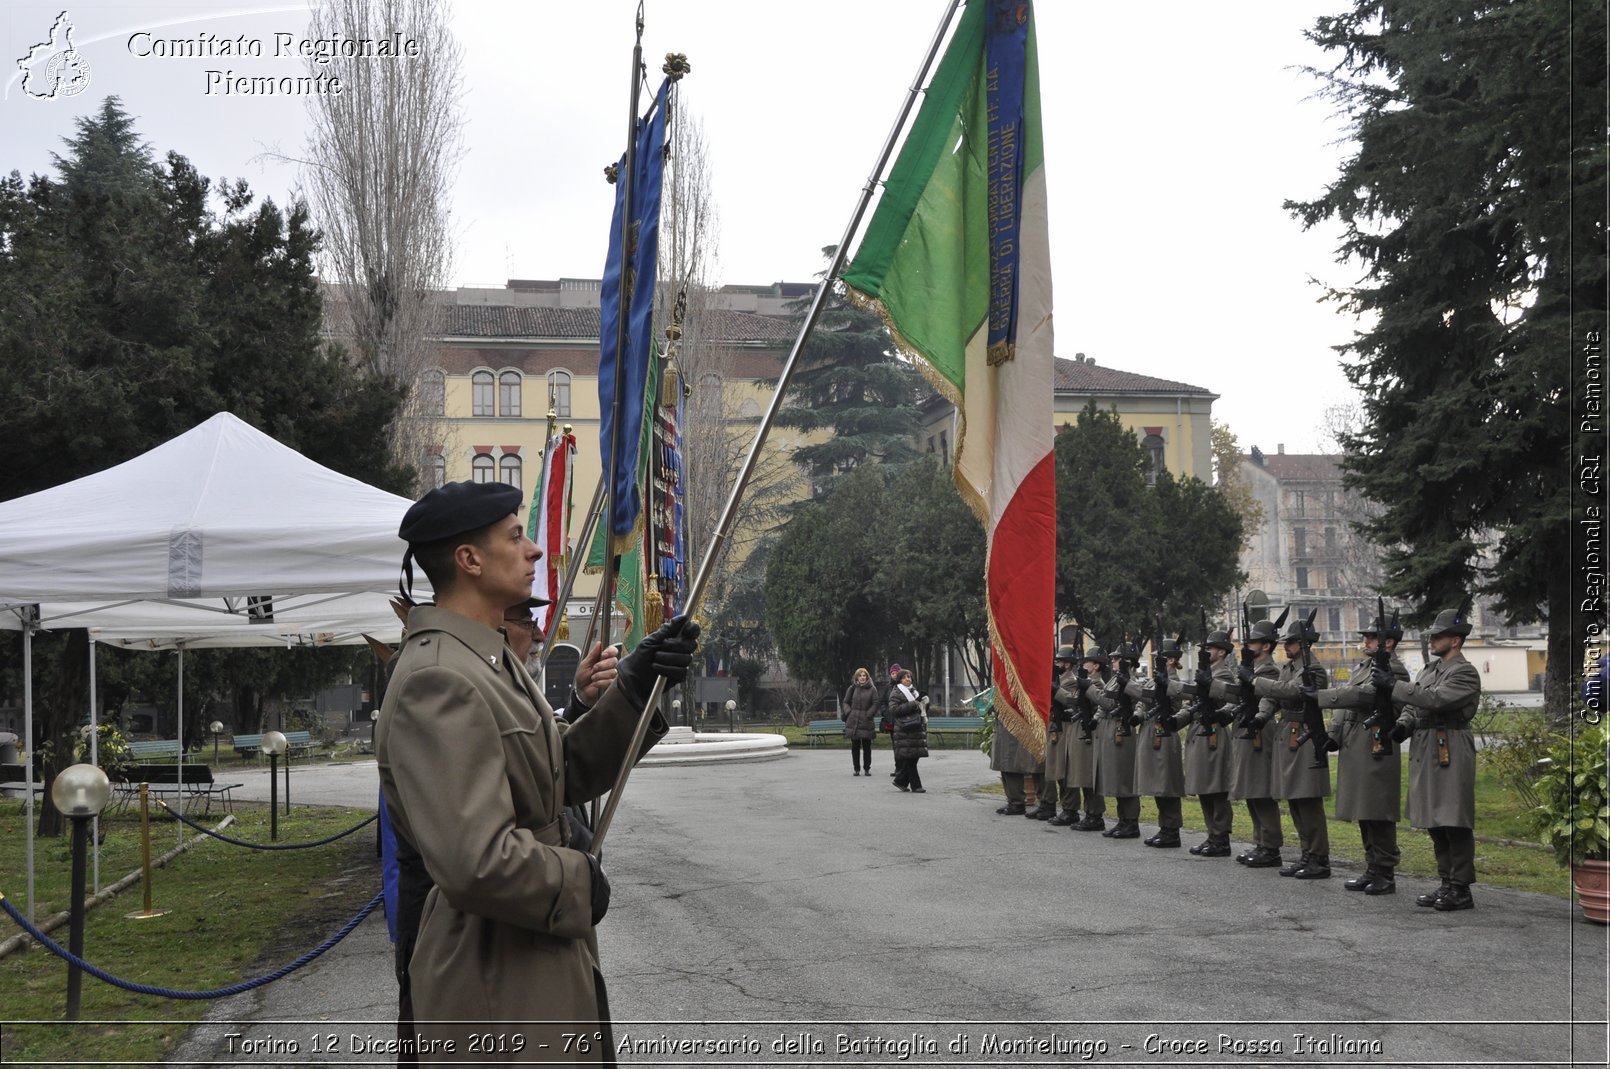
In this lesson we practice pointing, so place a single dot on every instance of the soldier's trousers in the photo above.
(1265, 814)
(1313, 833)
(1218, 815)
(1059, 794)
(1013, 782)
(1128, 806)
(1168, 813)
(1380, 839)
(1094, 804)
(1456, 853)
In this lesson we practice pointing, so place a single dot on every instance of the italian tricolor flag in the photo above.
(956, 260)
(549, 524)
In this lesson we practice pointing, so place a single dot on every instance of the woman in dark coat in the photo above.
(859, 709)
(910, 736)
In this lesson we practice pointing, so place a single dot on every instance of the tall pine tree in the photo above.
(1473, 201)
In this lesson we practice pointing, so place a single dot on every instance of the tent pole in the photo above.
(28, 745)
(179, 824)
(94, 759)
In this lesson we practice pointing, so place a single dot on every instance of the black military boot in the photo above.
(1043, 811)
(1263, 857)
(1317, 867)
(1431, 898)
(1065, 818)
(1382, 884)
(1167, 837)
(1458, 897)
(1011, 809)
(1216, 848)
(1203, 845)
(1359, 883)
(1292, 869)
(1091, 822)
(1127, 829)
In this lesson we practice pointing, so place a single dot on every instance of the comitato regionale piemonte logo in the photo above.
(54, 68)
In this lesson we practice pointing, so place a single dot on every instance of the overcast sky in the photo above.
(1173, 132)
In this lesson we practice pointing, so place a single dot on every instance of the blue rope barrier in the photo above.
(266, 846)
(166, 992)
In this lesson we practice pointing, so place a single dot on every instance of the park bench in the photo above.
(819, 729)
(150, 751)
(198, 786)
(296, 743)
(965, 727)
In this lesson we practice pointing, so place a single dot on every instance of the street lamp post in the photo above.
(374, 718)
(80, 792)
(273, 745)
(676, 709)
(217, 729)
(732, 723)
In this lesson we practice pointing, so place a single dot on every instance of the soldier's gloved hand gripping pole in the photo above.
(729, 512)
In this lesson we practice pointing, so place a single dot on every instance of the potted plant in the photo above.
(1573, 814)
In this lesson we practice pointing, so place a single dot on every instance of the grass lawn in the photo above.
(233, 913)
(1507, 855)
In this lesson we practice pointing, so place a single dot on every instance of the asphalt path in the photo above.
(785, 912)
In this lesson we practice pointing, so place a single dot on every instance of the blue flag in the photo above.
(637, 294)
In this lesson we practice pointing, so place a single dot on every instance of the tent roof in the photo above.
(175, 541)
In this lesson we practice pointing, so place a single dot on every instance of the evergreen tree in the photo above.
(1473, 201)
(850, 381)
(140, 302)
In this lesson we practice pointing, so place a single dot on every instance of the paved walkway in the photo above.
(790, 903)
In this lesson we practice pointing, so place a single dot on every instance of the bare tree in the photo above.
(1227, 481)
(381, 158)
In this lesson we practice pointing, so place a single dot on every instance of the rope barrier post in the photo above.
(80, 793)
(145, 857)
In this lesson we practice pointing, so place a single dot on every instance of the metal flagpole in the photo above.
(729, 512)
(623, 311)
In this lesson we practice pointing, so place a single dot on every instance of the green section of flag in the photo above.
(925, 256)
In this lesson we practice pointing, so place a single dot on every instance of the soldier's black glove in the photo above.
(1084, 684)
(1384, 680)
(666, 653)
(1245, 674)
(1311, 677)
(1331, 744)
(1399, 732)
(1310, 693)
(600, 889)
(1204, 680)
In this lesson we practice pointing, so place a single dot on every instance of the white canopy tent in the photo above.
(219, 537)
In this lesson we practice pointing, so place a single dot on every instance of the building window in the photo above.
(944, 447)
(1297, 502)
(1153, 445)
(482, 468)
(559, 393)
(1330, 540)
(509, 469)
(482, 402)
(749, 409)
(438, 471)
(509, 393)
(1334, 616)
(1302, 578)
(930, 443)
(1300, 536)
(433, 394)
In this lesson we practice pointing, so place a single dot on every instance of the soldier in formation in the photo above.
(1159, 771)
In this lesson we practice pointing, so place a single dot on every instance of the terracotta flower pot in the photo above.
(1592, 882)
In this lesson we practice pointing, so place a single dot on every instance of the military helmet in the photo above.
(1389, 628)
(1263, 631)
(1449, 622)
(1096, 654)
(1126, 651)
(1066, 653)
(1221, 639)
(1299, 631)
(1171, 648)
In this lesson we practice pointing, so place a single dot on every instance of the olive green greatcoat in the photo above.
(1115, 744)
(1080, 770)
(1369, 786)
(1252, 766)
(1442, 699)
(1282, 697)
(1207, 757)
(1159, 767)
(1006, 754)
(476, 773)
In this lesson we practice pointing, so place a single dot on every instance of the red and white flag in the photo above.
(549, 524)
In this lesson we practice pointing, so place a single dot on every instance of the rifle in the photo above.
(1206, 714)
(1126, 704)
(1313, 720)
(1086, 707)
(1384, 714)
(1247, 707)
(1164, 702)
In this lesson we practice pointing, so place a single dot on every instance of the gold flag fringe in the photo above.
(564, 628)
(653, 605)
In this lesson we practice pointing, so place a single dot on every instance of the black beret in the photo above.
(455, 509)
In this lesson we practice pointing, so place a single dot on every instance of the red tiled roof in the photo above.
(522, 322)
(1073, 376)
(1301, 467)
